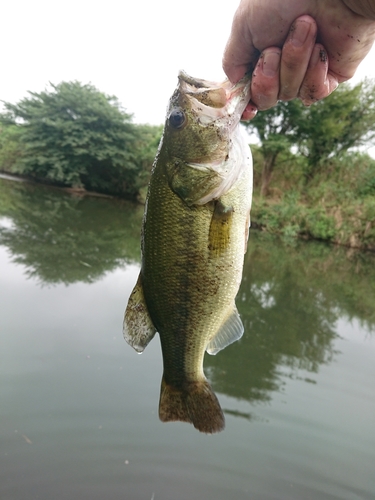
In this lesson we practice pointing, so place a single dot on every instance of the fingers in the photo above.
(318, 83)
(265, 83)
(295, 58)
(299, 69)
(280, 73)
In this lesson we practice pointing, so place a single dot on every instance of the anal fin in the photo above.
(231, 330)
(138, 328)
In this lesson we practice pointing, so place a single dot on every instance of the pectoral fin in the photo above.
(219, 235)
(230, 331)
(138, 326)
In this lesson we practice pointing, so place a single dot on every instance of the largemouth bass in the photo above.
(194, 237)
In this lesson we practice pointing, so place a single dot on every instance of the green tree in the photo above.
(75, 135)
(10, 148)
(331, 127)
(276, 128)
(147, 144)
(325, 130)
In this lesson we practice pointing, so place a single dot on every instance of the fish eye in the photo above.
(177, 118)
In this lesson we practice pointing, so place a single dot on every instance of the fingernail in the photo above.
(299, 33)
(271, 62)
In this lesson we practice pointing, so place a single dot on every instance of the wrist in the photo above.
(364, 8)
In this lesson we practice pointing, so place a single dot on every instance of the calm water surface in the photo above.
(78, 407)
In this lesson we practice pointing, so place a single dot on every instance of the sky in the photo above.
(132, 49)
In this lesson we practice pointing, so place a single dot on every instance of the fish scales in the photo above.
(194, 237)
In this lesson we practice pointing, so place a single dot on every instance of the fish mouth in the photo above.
(214, 101)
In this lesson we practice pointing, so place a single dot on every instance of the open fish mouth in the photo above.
(212, 101)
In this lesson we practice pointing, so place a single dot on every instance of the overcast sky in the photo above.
(132, 49)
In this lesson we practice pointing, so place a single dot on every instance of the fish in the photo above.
(194, 237)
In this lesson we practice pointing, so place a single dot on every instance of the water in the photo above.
(78, 407)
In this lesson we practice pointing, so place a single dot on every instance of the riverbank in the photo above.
(351, 225)
(322, 212)
(336, 206)
(72, 190)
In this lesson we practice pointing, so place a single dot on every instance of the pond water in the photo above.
(78, 407)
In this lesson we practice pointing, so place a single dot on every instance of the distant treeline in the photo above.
(310, 180)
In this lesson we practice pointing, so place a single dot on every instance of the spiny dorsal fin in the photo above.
(230, 331)
(138, 326)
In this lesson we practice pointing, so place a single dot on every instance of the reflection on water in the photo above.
(290, 309)
(297, 388)
(62, 238)
(288, 306)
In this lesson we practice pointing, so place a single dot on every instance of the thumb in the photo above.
(240, 55)
(239, 60)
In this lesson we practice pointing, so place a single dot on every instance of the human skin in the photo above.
(297, 48)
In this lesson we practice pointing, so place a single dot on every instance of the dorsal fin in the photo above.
(231, 330)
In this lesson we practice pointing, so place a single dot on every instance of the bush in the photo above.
(319, 225)
(74, 135)
(10, 148)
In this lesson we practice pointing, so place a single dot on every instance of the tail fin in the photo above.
(196, 403)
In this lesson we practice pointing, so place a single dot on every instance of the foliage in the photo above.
(333, 126)
(326, 130)
(317, 186)
(10, 148)
(365, 178)
(276, 130)
(337, 205)
(75, 135)
(147, 144)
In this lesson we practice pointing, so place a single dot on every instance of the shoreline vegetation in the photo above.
(310, 180)
(338, 207)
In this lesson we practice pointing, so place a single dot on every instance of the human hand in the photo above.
(299, 69)
(302, 68)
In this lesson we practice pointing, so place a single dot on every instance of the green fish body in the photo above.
(194, 237)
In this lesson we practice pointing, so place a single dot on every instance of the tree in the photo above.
(327, 129)
(276, 129)
(148, 141)
(10, 150)
(331, 127)
(75, 135)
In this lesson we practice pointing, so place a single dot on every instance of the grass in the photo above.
(337, 206)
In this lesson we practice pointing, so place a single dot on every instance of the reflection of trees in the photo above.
(62, 238)
(289, 301)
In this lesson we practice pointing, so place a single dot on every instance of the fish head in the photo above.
(202, 116)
